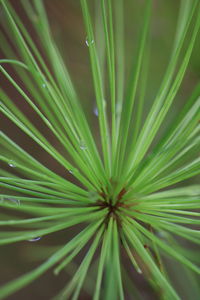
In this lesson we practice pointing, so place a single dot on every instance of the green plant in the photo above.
(125, 201)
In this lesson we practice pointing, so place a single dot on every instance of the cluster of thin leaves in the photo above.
(120, 202)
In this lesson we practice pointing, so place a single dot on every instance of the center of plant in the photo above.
(113, 205)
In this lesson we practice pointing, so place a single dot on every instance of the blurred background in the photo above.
(65, 18)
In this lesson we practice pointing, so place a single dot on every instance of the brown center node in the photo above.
(112, 207)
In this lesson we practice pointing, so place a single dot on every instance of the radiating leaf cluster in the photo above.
(118, 197)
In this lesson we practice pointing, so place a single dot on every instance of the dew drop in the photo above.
(44, 85)
(82, 146)
(10, 201)
(11, 164)
(15, 201)
(162, 234)
(95, 110)
(35, 239)
(89, 42)
(139, 271)
(73, 171)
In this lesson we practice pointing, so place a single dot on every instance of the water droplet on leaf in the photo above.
(35, 239)
(89, 42)
(95, 110)
(11, 164)
(162, 234)
(73, 171)
(16, 201)
(10, 201)
(82, 146)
